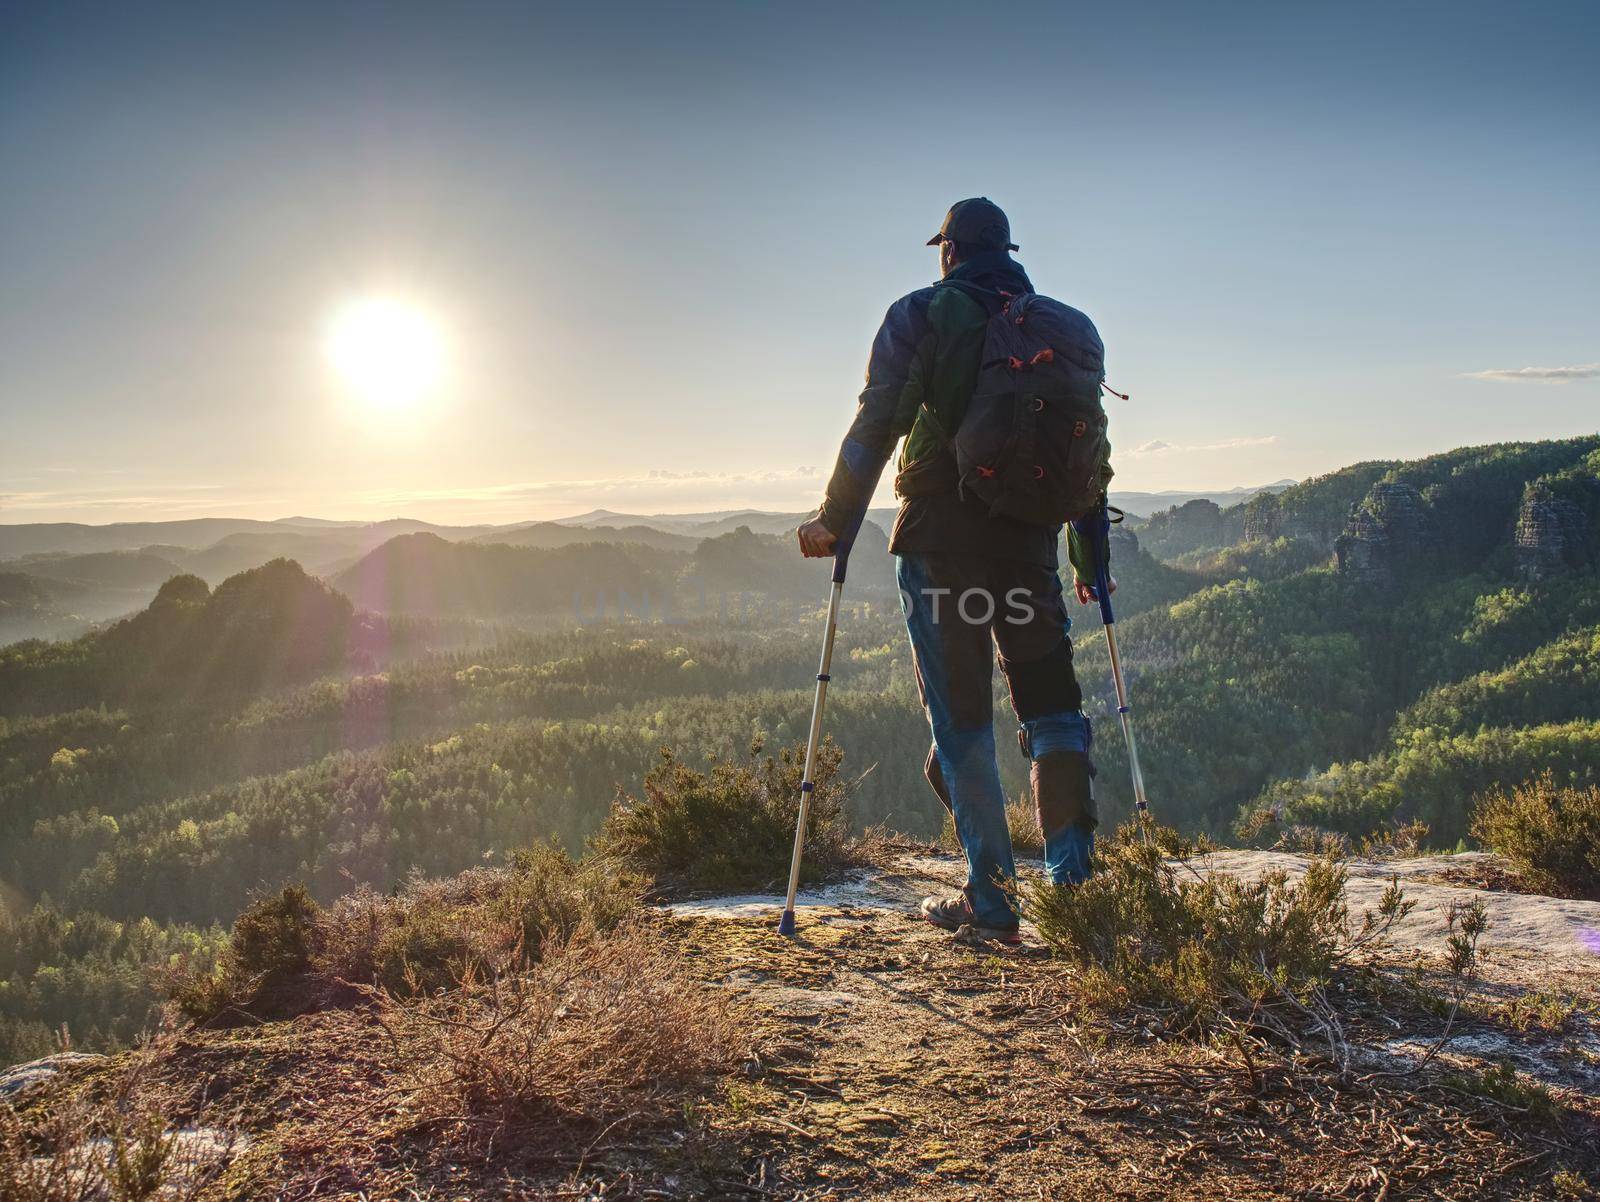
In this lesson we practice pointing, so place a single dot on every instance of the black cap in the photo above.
(976, 222)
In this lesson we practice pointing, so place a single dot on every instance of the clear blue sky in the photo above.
(656, 239)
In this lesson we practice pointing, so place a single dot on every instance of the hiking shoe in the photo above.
(955, 914)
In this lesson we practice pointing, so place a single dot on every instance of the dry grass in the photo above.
(603, 1035)
(288, 955)
(954, 1072)
(1022, 820)
(113, 1145)
(959, 1072)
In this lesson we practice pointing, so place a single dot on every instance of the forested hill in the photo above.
(262, 629)
(592, 580)
(554, 534)
(1435, 592)
(1472, 494)
(424, 574)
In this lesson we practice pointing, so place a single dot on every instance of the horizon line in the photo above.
(685, 513)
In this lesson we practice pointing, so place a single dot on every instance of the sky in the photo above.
(650, 243)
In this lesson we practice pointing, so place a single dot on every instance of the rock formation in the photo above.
(1261, 519)
(1385, 534)
(1124, 542)
(1551, 535)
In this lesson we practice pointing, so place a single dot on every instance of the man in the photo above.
(970, 581)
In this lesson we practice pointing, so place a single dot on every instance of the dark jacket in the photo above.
(927, 353)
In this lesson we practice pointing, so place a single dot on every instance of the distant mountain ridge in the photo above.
(554, 534)
(697, 525)
(1146, 503)
(198, 534)
(93, 573)
(496, 578)
(765, 521)
(58, 538)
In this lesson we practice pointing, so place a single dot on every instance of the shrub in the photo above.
(732, 826)
(288, 955)
(1537, 1010)
(269, 951)
(1398, 840)
(85, 1153)
(606, 1032)
(275, 936)
(1202, 947)
(1550, 833)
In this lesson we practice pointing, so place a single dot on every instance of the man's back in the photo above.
(972, 580)
(928, 353)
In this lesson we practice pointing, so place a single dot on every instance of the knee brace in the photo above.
(1063, 791)
(1045, 685)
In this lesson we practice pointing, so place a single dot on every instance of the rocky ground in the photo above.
(890, 1061)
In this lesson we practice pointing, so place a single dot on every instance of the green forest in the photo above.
(1374, 647)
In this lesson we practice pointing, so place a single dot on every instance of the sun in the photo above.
(388, 352)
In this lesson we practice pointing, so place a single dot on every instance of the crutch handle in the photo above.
(1102, 589)
(1095, 526)
(843, 545)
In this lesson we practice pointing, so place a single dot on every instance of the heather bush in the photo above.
(1550, 833)
(1153, 928)
(268, 953)
(732, 826)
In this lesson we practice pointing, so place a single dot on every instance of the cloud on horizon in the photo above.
(648, 482)
(1552, 375)
(178, 496)
(1157, 447)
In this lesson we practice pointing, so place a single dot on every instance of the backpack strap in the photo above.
(938, 472)
(991, 299)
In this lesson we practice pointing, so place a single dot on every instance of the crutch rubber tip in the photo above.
(786, 923)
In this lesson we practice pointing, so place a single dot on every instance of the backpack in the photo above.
(1032, 441)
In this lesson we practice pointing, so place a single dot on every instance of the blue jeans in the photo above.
(958, 609)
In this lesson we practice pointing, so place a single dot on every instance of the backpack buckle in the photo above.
(1079, 428)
